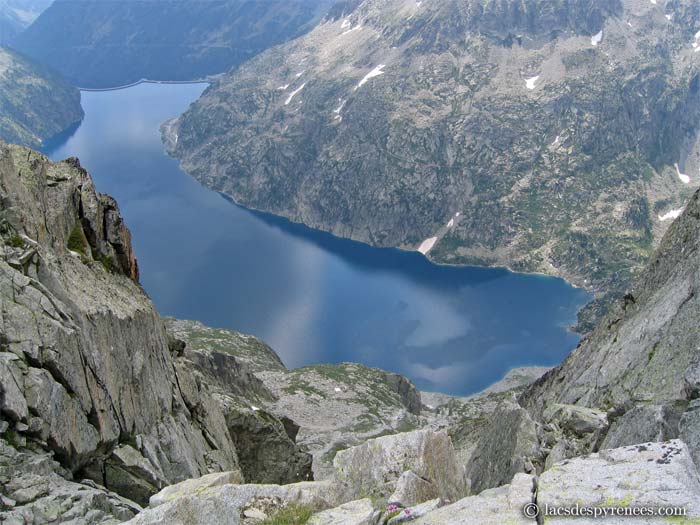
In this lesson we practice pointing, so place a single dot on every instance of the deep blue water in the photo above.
(314, 298)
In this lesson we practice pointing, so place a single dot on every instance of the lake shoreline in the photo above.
(312, 296)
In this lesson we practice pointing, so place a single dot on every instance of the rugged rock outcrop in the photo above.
(325, 407)
(35, 103)
(552, 137)
(106, 44)
(363, 475)
(405, 468)
(86, 370)
(34, 488)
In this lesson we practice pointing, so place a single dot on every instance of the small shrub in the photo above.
(291, 515)
(77, 241)
(16, 241)
(106, 260)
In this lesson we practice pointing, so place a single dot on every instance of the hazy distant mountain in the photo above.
(16, 15)
(35, 103)
(99, 43)
(558, 137)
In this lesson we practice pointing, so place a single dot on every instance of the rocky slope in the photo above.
(35, 103)
(636, 378)
(87, 372)
(106, 44)
(552, 137)
(17, 15)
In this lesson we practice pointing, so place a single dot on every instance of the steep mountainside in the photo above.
(16, 15)
(100, 43)
(35, 103)
(634, 379)
(559, 137)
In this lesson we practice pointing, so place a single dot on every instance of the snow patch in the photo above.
(427, 245)
(653, 1)
(337, 110)
(299, 74)
(556, 141)
(283, 88)
(684, 178)
(673, 214)
(337, 389)
(530, 82)
(356, 28)
(696, 43)
(291, 96)
(668, 17)
(451, 223)
(374, 73)
(597, 38)
(254, 408)
(346, 23)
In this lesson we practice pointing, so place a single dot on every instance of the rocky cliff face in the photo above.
(635, 377)
(551, 137)
(35, 103)
(106, 44)
(86, 369)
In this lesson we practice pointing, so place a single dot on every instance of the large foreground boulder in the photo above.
(507, 445)
(375, 467)
(229, 504)
(35, 489)
(643, 475)
(492, 507)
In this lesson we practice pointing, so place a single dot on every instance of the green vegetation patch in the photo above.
(77, 242)
(291, 515)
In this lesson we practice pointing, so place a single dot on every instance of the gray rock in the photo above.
(35, 491)
(505, 446)
(12, 401)
(575, 420)
(411, 489)
(132, 475)
(415, 512)
(491, 507)
(691, 381)
(194, 486)
(266, 452)
(643, 424)
(358, 512)
(374, 468)
(225, 504)
(649, 474)
(563, 449)
(689, 430)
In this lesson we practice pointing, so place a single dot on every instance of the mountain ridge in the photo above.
(100, 44)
